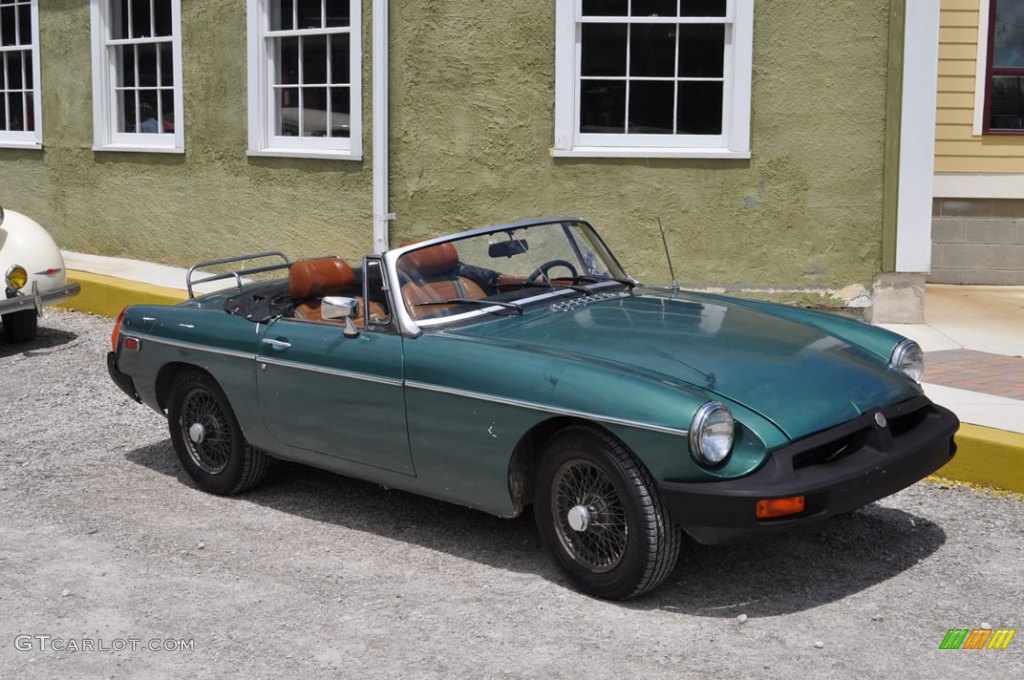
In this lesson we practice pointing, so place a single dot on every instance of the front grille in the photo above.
(900, 425)
(863, 432)
(831, 451)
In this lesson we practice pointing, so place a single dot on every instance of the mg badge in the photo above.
(880, 419)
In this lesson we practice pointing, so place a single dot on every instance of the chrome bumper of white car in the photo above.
(37, 300)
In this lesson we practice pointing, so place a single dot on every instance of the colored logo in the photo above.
(977, 638)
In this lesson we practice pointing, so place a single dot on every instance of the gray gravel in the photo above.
(102, 538)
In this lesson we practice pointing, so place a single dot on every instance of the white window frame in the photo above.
(104, 79)
(734, 142)
(28, 139)
(262, 140)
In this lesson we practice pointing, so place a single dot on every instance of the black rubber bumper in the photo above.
(836, 471)
(122, 380)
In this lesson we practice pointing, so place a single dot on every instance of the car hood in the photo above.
(796, 375)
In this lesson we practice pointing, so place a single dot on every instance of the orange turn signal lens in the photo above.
(117, 330)
(779, 507)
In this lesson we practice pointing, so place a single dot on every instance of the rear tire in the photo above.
(207, 438)
(21, 326)
(600, 517)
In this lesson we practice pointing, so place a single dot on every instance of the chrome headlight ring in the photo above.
(16, 277)
(908, 359)
(712, 432)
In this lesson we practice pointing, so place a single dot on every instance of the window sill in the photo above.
(10, 144)
(635, 152)
(305, 153)
(139, 148)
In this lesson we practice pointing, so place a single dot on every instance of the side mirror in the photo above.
(337, 307)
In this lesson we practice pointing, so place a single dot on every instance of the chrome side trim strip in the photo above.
(337, 372)
(196, 347)
(546, 409)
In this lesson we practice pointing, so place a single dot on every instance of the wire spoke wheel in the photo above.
(590, 518)
(600, 516)
(206, 431)
(207, 437)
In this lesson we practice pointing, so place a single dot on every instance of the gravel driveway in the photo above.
(104, 542)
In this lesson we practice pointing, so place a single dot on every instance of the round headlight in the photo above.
(908, 359)
(17, 277)
(711, 433)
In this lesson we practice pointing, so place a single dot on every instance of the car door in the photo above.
(321, 391)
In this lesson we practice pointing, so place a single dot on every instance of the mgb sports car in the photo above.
(519, 365)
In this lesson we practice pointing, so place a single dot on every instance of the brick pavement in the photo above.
(968, 369)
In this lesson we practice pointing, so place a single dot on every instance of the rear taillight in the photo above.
(117, 330)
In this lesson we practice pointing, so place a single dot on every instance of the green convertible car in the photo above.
(519, 365)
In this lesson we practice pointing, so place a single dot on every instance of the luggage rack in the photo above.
(237, 274)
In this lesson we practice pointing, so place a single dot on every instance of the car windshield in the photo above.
(503, 270)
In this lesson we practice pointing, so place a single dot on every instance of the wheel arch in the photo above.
(168, 373)
(523, 463)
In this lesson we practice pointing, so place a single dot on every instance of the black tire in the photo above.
(628, 544)
(21, 326)
(207, 438)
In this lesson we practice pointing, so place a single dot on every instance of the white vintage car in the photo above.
(34, 275)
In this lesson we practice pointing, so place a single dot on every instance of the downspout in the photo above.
(381, 215)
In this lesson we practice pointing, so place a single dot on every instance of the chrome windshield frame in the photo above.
(412, 328)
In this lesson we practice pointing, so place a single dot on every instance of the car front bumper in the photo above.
(35, 300)
(838, 470)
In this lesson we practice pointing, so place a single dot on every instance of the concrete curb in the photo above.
(108, 295)
(985, 457)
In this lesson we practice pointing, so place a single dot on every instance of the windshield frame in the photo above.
(414, 328)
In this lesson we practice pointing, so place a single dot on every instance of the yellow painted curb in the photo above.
(108, 295)
(988, 457)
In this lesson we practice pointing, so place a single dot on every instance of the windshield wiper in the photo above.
(470, 301)
(598, 279)
(546, 284)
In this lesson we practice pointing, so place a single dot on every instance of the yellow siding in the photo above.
(956, 147)
(960, 6)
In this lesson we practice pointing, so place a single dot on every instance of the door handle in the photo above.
(277, 344)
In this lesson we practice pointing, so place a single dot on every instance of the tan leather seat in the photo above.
(431, 275)
(309, 281)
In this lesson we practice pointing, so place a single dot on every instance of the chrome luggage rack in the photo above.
(237, 274)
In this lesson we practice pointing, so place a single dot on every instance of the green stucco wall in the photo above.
(472, 97)
(211, 201)
(472, 126)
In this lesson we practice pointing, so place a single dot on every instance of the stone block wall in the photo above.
(977, 241)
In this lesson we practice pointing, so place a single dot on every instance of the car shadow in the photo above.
(799, 570)
(46, 339)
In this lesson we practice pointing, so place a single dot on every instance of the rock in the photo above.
(742, 618)
(819, 644)
(65, 592)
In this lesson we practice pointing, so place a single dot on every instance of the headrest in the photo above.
(320, 277)
(433, 261)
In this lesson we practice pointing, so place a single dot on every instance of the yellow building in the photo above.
(978, 211)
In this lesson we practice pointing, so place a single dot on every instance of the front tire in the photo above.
(600, 517)
(21, 326)
(207, 438)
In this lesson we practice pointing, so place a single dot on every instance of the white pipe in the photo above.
(917, 137)
(381, 215)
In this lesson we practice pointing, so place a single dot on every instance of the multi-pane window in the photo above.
(19, 73)
(672, 75)
(1004, 103)
(137, 74)
(304, 61)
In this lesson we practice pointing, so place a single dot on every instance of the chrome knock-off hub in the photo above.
(579, 518)
(197, 433)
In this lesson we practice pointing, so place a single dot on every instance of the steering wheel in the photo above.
(550, 264)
